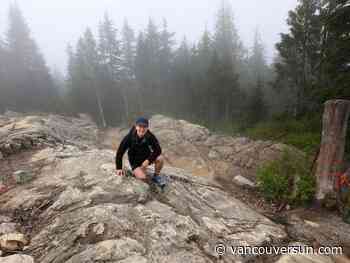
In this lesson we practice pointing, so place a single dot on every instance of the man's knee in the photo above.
(140, 173)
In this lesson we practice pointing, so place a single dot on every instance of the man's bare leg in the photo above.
(158, 164)
(140, 173)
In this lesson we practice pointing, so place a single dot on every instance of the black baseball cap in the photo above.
(142, 121)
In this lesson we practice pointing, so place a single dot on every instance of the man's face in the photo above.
(141, 130)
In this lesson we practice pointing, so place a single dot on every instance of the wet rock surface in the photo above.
(75, 209)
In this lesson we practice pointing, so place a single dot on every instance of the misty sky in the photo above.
(56, 23)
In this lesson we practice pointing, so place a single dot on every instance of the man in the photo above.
(144, 150)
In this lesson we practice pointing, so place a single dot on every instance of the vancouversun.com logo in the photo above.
(222, 249)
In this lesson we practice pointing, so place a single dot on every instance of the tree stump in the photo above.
(335, 119)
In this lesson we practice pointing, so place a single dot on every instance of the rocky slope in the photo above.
(196, 149)
(72, 208)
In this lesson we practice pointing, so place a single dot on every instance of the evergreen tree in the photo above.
(166, 45)
(59, 82)
(214, 95)
(86, 91)
(109, 53)
(140, 69)
(226, 40)
(71, 65)
(27, 71)
(165, 64)
(224, 65)
(151, 56)
(205, 51)
(128, 52)
(299, 50)
(259, 76)
(111, 73)
(257, 108)
(201, 64)
(257, 61)
(4, 93)
(78, 93)
(335, 53)
(224, 92)
(182, 80)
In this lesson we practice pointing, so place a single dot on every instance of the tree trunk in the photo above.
(100, 108)
(139, 96)
(227, 111)
(126, 104)
(335, 118)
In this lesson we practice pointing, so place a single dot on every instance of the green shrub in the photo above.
(302, 134)
(307, 142)
(305, 189)
(287, 179)
(272, 182)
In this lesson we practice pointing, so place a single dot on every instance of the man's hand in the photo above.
(145, 164)
(119, 172)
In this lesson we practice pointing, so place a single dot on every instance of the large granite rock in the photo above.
(85, 213)
(19, 132)
(75, 209)
(201, 152)
(197, 150)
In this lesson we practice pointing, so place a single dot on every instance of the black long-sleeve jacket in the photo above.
(140, 149)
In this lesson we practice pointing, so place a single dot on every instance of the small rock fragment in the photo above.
(240, 180)
(17, 259)
(99, 229)
(13, 241)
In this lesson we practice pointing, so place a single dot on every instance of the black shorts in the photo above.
(136, 164)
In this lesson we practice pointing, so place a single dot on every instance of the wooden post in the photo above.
(335, 119)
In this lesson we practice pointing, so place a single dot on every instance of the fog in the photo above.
(54, 24)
